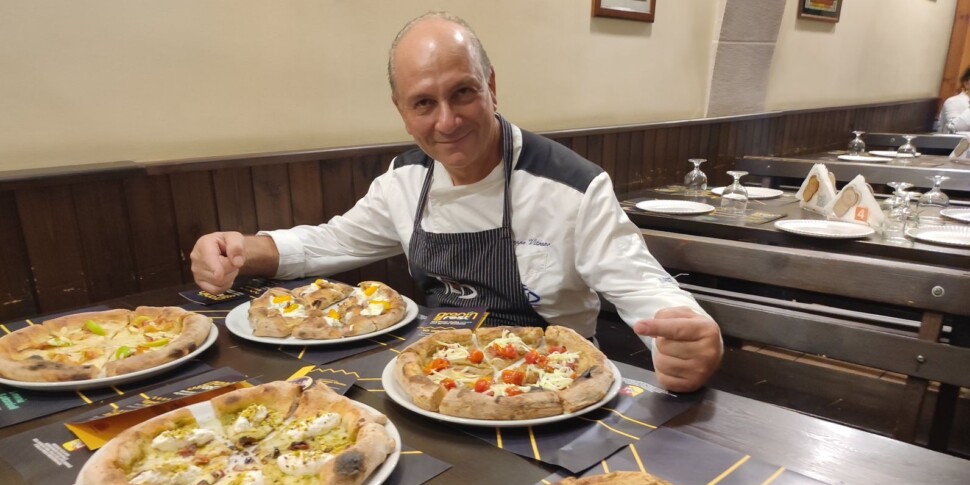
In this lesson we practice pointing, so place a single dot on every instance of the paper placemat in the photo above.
(680, 458)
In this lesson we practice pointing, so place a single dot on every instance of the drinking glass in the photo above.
(898, 213)
(695, 182)
(856, 145)
(907, 150)
(734, 199)
(935, 197)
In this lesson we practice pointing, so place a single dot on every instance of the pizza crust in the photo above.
(616, 478)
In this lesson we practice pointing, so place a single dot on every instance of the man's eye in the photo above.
(422, 104)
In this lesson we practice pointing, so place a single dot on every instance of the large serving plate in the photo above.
(237, 321)
(864, 158)
(754, 192)
(949, 235)
(398, 395)
(203, 412)
(824, 229)
(114, 380)
(958, 214)
(680, 207)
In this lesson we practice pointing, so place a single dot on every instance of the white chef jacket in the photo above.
(955, 115)
(570, 243)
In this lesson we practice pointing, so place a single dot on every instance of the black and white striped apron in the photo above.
(473, 269)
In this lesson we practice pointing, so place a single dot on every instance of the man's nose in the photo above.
(448, 119)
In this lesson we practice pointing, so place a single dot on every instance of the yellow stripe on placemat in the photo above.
(301, 353)
(773, 476)
(641, 423)
(119, 391)
(375, 390)
(412, 452)
(83, 397)
(392, 349)
(729, 470)
(5, 329)
(636, 456)
(395, 336)
(301, 373)
(535, 446)
(113, 406)
(601, 423)
(606, 467)
(144, 396)
(30, 323)
(498, 437)
(368, 378)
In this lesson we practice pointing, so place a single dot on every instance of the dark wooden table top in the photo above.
(825, 451)
(765, 232)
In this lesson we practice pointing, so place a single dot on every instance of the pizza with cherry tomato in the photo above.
(504, 373)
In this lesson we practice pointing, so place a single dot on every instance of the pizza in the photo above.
(272, 433)
(616, 478)
(504, 373)
(108, 343)
(326, 310)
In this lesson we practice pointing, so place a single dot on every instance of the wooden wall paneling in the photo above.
(193, 198)
(578, 145)
(659, 155)
(51, 237)
(634, 172)
(235, 200)
(677, 164)
(643, 172)
(608, 157)
(704, 143)
(271, 190)
(594, 149)
(306, 194)
(109, 264)
(154, 235)
(621, 169)
(16, 289)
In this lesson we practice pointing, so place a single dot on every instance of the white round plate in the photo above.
(755, 192)
(380, 474)
(891, 154)
(864, 158)
(682, 207)
(958, 214)
(114, 380)
(398, 395)
(824, 229)
(237, 321)
(949, 235)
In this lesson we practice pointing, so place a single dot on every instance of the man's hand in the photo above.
(688, 347)
(217, 259)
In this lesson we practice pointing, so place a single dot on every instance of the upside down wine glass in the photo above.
(907, 151)
(856, 145)
(734, 199)
(898, 213)
(695, 182)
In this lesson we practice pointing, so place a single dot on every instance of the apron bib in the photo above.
(473, 269)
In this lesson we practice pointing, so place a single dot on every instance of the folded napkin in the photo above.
(855, 203)
(817, 191)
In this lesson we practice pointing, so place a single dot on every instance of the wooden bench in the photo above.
(839, 332)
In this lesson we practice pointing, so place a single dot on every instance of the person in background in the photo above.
(955, 115)
(489, 215)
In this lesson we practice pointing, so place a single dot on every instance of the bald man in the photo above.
(489, 215)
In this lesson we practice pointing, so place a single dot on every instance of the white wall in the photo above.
(107, 80)
(880, 50)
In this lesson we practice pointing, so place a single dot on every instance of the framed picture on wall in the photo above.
(824, 10)
(641, 10)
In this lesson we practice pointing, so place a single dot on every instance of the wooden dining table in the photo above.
(808, 446)
(772, 171)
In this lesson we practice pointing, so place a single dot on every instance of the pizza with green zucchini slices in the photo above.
(504, 373)
(326, 310)
(272, 433)
(108, 343)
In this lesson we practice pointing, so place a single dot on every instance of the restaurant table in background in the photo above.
(775, 171)
(756, 432)
(850, 296)
(928, 143)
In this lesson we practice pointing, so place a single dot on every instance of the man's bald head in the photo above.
(476, 48)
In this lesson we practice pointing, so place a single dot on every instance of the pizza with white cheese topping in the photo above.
(273, 433)
(504, 373)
